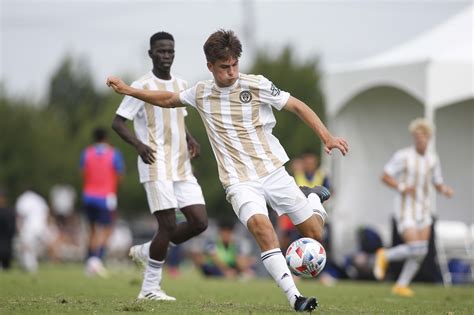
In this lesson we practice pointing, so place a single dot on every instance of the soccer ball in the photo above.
(306, 257)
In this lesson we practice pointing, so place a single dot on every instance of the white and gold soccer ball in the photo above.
(306, 257)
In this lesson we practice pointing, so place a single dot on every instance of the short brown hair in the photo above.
(222, 45)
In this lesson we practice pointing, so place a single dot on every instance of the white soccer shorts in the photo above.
(165, 194)
(278, 189)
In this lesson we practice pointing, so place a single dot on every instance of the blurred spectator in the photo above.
(102, 168)
(225, 256)
(62, 198)
(358, 265)
(7, 231)
(307, 171)
(32, 211)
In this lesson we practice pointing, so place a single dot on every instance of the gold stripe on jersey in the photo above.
(426, 188)
(403, 179)
(182, 136)
(242, 133)
(223, 174)
(151, 128)
(415, 184)
(258, 127)
(221, 132)
(167, 137)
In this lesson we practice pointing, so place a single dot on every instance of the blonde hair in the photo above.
(421, 124)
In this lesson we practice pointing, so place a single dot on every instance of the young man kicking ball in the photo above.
(236, 110)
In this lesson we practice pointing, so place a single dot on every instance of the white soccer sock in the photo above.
(145, 249)
(410, 267)
(317, 206)
(275, 264)
(397, 253)
(152, 275)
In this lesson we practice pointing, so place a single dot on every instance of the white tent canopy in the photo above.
(372, 101)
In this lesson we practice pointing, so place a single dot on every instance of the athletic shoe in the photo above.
(155, 295)
(305, 304)
(322, 192)
(135, 253)
(95, 267)
(380, 264)
(402, 291)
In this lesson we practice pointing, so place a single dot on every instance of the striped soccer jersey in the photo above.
(419, 171)
(239, 122)
(162, 129)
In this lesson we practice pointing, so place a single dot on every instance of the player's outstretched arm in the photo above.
(309, 117)
(444, 189)
(158, 98)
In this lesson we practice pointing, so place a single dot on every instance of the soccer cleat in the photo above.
(402, 291)
(155, 295)
(305, 304)
(380, 264)
(135, 253)
(323, 193)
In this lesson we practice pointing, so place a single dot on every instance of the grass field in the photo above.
(63, 289)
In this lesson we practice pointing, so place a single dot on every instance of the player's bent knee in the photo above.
(200, 226)
(418, 249)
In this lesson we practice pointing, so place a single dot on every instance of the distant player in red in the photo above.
(102, 168)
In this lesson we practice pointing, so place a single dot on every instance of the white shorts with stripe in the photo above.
(278, 189)
(166, 194)
(411, 217)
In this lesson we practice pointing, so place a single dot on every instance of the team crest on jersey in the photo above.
(274, 90)
(245, 96)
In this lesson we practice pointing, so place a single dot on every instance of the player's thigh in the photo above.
(160, 195)
(188, 192)
(91, 212)
(285, 197)
(410, 234)
(424, 233)
(247, 199)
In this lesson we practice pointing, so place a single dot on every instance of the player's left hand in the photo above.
(117, 84)
(193, 147)
(336, 143)
(447, 191)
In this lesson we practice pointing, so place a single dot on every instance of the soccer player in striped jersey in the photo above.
(164, 166)
(237, 113)
(411, 171)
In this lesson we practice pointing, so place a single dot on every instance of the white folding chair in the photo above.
(453, 240)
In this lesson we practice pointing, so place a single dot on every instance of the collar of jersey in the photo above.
(161, 80)
(228, 88)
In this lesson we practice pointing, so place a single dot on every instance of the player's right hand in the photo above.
(409, 190)
(336, 143)
(146, 153)
(117, 84)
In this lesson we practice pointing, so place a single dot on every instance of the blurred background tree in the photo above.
(301, 79)
(41, 145)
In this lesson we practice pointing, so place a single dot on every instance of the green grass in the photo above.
(63, 289)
